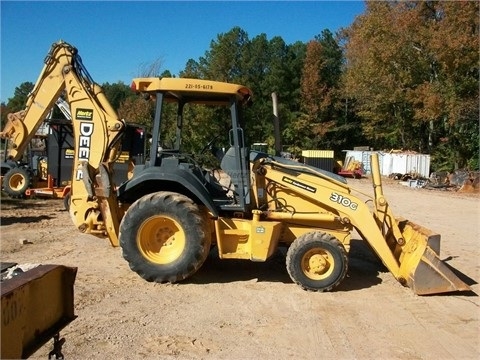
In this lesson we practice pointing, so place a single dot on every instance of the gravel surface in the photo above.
(232, 309)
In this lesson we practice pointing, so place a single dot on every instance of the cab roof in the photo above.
(193, 90)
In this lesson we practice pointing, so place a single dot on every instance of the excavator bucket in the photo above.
(421, 268)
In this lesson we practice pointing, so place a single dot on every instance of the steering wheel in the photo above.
(209, 144)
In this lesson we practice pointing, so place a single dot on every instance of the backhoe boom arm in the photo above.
(94, 122)
(22, 126)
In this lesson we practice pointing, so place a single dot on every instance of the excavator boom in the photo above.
(22, 126)
(96, 128)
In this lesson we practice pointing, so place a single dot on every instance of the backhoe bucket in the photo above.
(420, 266)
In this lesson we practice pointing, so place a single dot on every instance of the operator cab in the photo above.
(177, 162)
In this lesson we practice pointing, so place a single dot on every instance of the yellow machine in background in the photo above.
(171, 212)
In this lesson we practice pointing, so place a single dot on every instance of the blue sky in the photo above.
(116, 38)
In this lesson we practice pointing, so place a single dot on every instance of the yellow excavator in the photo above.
(172, 211)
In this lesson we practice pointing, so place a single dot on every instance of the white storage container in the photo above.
(390, 163)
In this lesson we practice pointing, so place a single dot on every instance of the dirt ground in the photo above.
(243, 310)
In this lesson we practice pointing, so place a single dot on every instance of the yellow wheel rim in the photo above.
(161, 239)
(317, 264)
(16, 182)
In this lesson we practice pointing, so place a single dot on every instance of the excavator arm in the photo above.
(94, 208)
(22, 126)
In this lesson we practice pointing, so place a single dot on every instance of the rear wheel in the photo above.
(16, 182)
(164, 237)
(317, 261)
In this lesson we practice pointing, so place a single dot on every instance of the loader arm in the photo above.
(333, 200)
(409, 251)
(97, 131)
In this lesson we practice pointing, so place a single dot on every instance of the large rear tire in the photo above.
(317, 261)
(16, 182)
(164, 237)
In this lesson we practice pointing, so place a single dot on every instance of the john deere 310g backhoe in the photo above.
(172, 211)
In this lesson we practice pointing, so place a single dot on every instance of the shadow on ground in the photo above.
(363, 269)
(23, 219)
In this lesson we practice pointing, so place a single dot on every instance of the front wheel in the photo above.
(317, 261)
(164, 237)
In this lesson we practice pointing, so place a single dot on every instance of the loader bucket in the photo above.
(420, 266)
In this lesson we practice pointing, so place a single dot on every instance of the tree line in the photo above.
(404, 75)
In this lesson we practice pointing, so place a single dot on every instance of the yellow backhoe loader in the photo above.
(172, 211)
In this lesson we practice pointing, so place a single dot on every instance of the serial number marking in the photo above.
(199, 86)
(344, 201)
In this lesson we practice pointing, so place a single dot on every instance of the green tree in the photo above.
(412, 70)
(283, 78)
(136, 109)
(20, 95)
(224, 60)
(376, 78)
(324, 107)
(265, 66)
(117, 93)
(17, 102)
(192, 70)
